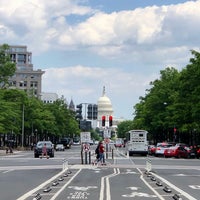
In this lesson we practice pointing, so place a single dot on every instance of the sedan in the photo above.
(198, 153)
(177, 152)
(118, 143)
(160, 148)
(60, 147)
(39, 148)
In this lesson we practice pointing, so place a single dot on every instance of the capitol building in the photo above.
(104, 109)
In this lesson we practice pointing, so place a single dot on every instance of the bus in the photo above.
(137, 142)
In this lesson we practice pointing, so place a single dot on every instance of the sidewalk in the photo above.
(3, 152)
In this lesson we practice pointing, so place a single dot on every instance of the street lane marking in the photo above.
(66, 184)
(23, 197)
(195, 187)
(108, 196)
(149, 186)
(174, 187)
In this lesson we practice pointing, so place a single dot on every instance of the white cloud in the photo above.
(85, 84)
(143, 41)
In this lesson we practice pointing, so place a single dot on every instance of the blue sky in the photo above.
(83, 45)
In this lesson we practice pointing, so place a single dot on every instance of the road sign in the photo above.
(86, 147)
(106, 140)
(85, 137)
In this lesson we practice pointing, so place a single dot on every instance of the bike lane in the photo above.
(108, 183)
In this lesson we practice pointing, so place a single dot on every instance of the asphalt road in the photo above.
(23, 177)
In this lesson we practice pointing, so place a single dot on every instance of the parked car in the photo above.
(67, 142)
(151, 149)
(176, 151)
(76, 141)
(192, 153)
(39, 147)
(118, 143)
(160, 148)
(198, 153)
(60, 147)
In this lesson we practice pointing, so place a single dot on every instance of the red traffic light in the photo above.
(110, 120)
(103, 120)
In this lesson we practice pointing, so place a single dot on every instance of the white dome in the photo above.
(104, 104)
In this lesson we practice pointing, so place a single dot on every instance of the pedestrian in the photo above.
(101, 153)
(97, 154)
(44, 150)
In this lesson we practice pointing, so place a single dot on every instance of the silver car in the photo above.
(160, 148)
(60, 147)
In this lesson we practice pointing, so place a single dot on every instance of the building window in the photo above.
(23, 83)
(21, 58)
(33, 84)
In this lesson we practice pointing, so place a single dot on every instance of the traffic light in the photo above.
(92, 111)
(95, 111)
(110, 120)
(79, 112)
(103, 120)
(89, 111)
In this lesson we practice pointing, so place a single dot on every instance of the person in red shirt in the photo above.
(101, 153)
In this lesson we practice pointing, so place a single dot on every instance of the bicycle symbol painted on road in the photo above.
(137, 194)
(81, 192)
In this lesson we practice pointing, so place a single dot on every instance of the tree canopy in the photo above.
(170, 109)
(7, 67)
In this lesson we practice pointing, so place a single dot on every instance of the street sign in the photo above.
(107, 133)
(85, 137)
(106, 140)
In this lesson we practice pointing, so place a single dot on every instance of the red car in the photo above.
(151, 149)
(198, 153)
(118, 143)
(176, 151)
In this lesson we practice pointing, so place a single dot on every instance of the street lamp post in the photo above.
(23, 125)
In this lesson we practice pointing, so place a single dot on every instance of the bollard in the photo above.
(167, 189)
(89, 157)
(37, 197)
(65, 164)
(47, 189)
(82, 157)
(86, 157)
(106, 151)
(148, 164)
(112, 153)
(177, 197)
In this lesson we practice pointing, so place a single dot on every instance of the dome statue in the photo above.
(104, 106)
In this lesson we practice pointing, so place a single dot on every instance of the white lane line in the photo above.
(103, 182)
(23, 197)
(174, 187)
(149, 186)
(66, 184)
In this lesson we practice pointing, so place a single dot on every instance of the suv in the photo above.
(40, 145)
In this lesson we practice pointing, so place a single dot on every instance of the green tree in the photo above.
(124, 127)
(11, 110)
(156, 111)
(189, 106)
(7, 67)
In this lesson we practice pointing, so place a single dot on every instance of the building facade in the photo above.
(48, 97)
(25, 77)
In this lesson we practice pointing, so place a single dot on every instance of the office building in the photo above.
(25, 77)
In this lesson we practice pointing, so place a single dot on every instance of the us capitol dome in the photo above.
(104, 108)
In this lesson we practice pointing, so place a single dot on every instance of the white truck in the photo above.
(137, 142)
